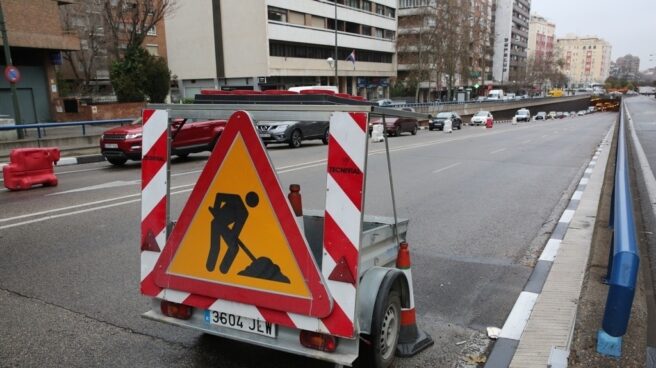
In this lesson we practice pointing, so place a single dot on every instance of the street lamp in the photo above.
(333, 64)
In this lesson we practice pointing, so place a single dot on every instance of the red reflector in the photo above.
(318, 341)
(175, 310)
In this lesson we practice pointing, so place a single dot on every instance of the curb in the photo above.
(77, 160)
(507, 344)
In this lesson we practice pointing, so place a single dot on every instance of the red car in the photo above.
(395, 126)
(123, 143)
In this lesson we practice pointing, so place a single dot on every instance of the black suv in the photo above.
(438, 121)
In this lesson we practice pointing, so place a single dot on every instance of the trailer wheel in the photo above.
(385, 327)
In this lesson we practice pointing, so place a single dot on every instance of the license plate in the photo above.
(265, 135)
(111, 145)
(241, 323)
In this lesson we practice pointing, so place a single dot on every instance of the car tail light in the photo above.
(318, 341)
(176, 310)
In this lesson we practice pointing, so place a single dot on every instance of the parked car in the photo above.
(551, 115)
(395, 126)
(481, 117)
(292, 132)
(541, 116)
(581, 113)
(572, 114)
(384, 102)
(565, 114)
(438, 121)
(120, 144)
(523, 115)
(559, 115)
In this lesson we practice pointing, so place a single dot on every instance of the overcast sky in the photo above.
(629, 25)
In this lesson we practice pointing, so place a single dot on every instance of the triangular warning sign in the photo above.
(237, 238)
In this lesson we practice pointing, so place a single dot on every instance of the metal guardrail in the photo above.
(623, 258)
(500, 101)
(82, 124)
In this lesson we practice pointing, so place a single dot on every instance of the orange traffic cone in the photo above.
(294, 197)
(412, 340)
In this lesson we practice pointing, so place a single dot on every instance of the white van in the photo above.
(303, 88)
(495, 95)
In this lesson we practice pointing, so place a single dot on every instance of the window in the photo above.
(152, 32)
(296, 18)
(277, 14)
(379, 33)
(366, 30)
(152, 49)
(366, 5)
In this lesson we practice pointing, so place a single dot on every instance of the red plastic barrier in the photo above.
(489, 123)
(245, 92)
(317, 92)
(30, 166)
(214, 92)
(279, 92)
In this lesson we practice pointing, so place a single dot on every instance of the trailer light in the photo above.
(318, 341)
(176, 310)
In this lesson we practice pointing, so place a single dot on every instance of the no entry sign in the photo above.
(12, 74)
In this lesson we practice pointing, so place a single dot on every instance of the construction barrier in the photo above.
(30, 166)
(623, 258)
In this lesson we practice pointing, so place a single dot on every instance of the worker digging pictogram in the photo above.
(230, 215)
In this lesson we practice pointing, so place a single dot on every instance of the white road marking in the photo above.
(577, 195)
(584, 181)
(550, 250)
(111, 184)
(518, 317)
(446, 167)
(497, 151)
(567, 216)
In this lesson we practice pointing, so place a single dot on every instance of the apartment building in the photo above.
(627, 66)
(541, 39)
(587, 59)
(511, 26)
(36, 41)
(277, 44)
(423, 35)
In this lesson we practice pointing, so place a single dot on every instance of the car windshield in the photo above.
(481, 113)
(444, 115)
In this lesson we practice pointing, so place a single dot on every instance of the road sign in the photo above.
(12, 74)
(237, 238)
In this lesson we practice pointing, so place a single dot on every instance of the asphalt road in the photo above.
(481, 204)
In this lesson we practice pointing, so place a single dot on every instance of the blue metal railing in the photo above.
(624, 259)
(83, 124)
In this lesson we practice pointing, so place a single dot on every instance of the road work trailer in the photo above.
(244, 261)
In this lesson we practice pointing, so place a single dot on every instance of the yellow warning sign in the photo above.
(235, 237)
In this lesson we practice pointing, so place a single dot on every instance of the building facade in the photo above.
(36, 40)
(627, 66)
(541, 39)
(511, 26)
(586, 59)
(289, 43)
(87, 70)
(423, 35)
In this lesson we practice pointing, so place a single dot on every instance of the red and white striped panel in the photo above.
(154, 164)
(347, 158)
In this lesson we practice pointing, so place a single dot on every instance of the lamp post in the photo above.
(12, 85)
(336, 55)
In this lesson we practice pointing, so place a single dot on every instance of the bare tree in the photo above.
(130, 20)
(86, 21)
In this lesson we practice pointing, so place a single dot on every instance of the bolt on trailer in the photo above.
(244, 261)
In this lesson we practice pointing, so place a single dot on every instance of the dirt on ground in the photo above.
(593, 298)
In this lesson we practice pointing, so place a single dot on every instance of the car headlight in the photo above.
(133, 135)
(279, 128)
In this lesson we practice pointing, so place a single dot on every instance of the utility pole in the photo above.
(14, 93)
(336, 56)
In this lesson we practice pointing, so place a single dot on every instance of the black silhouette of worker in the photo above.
(230, 215)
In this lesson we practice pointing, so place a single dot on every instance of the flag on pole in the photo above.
(351, 58)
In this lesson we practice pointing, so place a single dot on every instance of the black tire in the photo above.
(295, 139)
(326, 136)
(385, 327)
(431, 129)
(460, 126)
(183, 155)
(397, 131)
(414, 130)
(118, 161)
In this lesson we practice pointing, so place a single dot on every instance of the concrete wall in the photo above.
(245, 43)
(103, 112)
